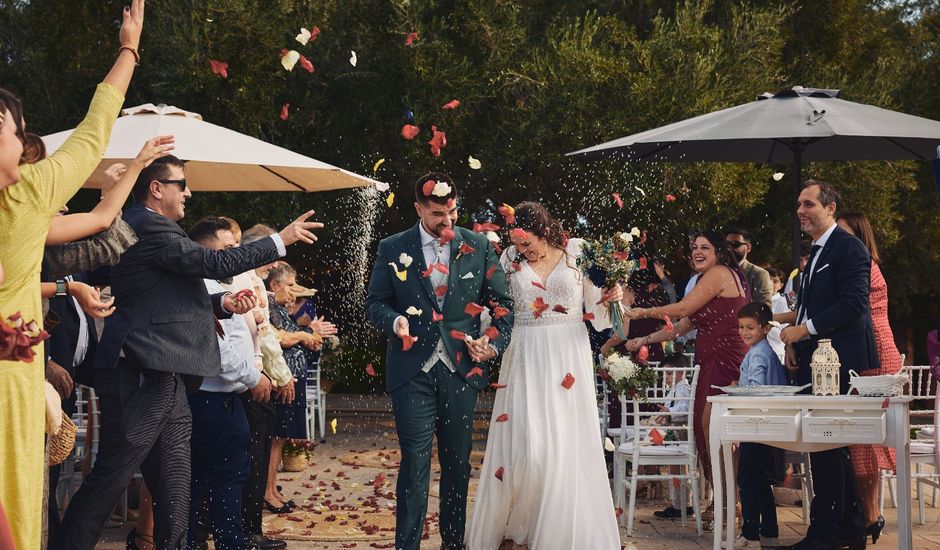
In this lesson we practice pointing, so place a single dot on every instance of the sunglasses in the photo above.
(736, 244)
(181, 183)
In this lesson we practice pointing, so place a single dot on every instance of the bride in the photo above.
(544, 481)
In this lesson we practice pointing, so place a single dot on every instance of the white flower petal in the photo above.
(635, 232)
(778, 176)
(352, 58)
(383, 187)
(405, 259)
(492, 236)
(609, 445)
(412, 310)
(441, 189)
(303, 37)
(290, 59)
(475, 164)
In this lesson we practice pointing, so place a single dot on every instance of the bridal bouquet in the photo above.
(607, 262)
(627, 377)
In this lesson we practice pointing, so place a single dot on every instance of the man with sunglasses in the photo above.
(758, 279)
(158, 345)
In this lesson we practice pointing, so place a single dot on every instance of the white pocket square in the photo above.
(469, 275)
(822, 268)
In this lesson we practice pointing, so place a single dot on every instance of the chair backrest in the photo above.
(646, 412)
(920, 388)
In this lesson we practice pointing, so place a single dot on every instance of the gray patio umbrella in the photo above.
(792, 126)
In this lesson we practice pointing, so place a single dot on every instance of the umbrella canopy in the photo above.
(796, 125)
(218, 159)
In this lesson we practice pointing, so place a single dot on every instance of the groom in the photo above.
(424, 294)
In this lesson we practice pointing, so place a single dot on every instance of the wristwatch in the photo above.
(61, 287)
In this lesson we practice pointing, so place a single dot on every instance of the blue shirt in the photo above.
(237, 351)
(762, 367)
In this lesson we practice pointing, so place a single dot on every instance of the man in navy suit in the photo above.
(160, 342)
(832, 304)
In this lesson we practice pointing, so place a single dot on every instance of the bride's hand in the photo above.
(614, 294)
(634, 344)
(480, 349)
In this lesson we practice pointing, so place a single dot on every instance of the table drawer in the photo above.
(849, 427)
(761, 425)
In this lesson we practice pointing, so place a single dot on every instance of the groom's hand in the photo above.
(480, 349)
(401, 327)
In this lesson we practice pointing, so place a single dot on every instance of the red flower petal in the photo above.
(885, 403)
(618, 512)
(473, 309)
(491, 332)
(435, 316)
(502, 418)
(219, 67)
(407, 341)
(670, 198)
(499, 473)
(669, 326)
(499, 312)
(411, 38)
(466, 249)
(496, 386)
(410, 131)
(643, 262)
(447, 235)
(539, 306)
(370, 370)
(651, 287)
(486, 226)
(568, 381)
(656, 437)
(314, 33)
(588, 317)
(508, 213)
(519, 234)
(441, 267)
(428, 187)
(475, 371)
(618, 200)
(560, 309)
(452, 104)
(379, 480)
(537, 284)
(284, 111)
(306, 64)
(643, 354)
(437, 142)
(620, 255)
(643, 237)
(440, 291)
(458, 335)
(491, 271)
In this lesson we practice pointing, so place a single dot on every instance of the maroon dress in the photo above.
(719, 351)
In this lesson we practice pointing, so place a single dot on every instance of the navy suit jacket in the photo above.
(64, 337)
(164, 316)
(837, 301)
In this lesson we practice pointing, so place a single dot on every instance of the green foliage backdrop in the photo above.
(536, 79)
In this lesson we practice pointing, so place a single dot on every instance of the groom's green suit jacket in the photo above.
(389, 297)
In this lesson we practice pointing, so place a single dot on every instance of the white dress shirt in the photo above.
(238, 354)
(809, 275)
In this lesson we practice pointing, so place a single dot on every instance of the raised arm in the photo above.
(77, 226)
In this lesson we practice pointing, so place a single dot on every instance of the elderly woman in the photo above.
(26, 210)
(711, 307)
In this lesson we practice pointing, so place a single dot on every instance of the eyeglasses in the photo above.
(736, 244)
(181, 183)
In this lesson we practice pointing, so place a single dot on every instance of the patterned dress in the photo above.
(291, 417)
(869, 459)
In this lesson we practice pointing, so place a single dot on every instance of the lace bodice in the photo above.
(564, 287)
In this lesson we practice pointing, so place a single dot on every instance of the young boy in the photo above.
(760, 466)
(679, 389)
(778, 302)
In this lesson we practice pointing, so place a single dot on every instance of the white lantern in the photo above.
(825, 368)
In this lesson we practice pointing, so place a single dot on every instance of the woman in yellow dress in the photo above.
(26, 210)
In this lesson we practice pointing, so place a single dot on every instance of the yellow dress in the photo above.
(26, 210)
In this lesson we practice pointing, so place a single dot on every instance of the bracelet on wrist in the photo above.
(133, 51)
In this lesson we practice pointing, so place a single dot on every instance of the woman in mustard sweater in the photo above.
(26, 210)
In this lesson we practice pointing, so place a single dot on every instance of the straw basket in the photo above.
(878, 386)
(295, 463)
(61, 444)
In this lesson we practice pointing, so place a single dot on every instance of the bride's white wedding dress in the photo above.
(554, 493)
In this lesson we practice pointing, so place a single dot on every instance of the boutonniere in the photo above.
(464, 249)
(402, 275)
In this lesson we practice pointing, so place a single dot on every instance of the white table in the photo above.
(808, 423)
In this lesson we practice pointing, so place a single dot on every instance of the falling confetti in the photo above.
(353, 59)
(465, 249)
(491, 271)
(496, 386)
(656, 437)
(289, 58)
(375, 167)
(285, 111)
(499, 473)
(491, 332)
(440, 291)
(407, 341)
(609, 445)
(304, 36)
(499, 312)
(643, 354)
(390, 199)
(503, 417)
(560, 309)
(219, 67)
(475, 371)
(382, 186)
(446, 235)
(410, 131)
(405, 259)
(402, 275)
(412, 310)
(539, 307)
(437, 142)
(568, 381)
(370, 370)
(473, 309)
(474, 163)
(537, 284)
(588, 317)
(778, 176)
(669, 326)
(508, 213)
(452, 104)
(411, 38)
(670, 198)
(306, 64)
(436, 317)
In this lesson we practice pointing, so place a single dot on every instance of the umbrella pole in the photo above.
(797, 184)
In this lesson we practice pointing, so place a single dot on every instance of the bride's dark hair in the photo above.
(534, 218)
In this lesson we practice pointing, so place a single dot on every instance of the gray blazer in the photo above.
(164, 317)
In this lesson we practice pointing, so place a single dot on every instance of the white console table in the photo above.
(808, 423)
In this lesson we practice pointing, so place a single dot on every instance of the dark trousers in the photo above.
(220, 464)
(145, 424)
(835, 514)
(261, 419)
(433, 403)
(54, 523)
(757, 470)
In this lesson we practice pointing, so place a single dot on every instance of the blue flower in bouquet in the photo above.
(597, 276)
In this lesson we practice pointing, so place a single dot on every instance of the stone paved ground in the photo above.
(370, 431)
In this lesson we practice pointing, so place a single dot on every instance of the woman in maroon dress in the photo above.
(869, 460)
(712, 308)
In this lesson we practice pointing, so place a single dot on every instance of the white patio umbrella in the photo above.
(218, 159)
(793, 126)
